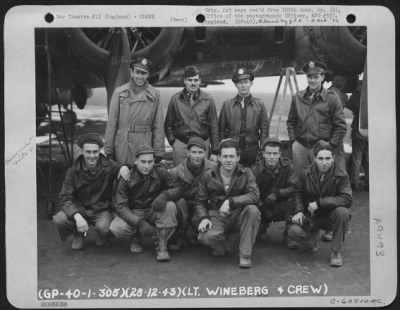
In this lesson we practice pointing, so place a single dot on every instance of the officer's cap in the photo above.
(144, 149)
(314, 67)
(242, 74)
(196, 141)
(190, 71)
(92, 138)
(322, 145)
(142, 64)
(272, 141)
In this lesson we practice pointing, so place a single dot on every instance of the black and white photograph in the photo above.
(202, 157)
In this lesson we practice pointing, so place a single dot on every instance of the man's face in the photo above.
(145, 163)
(91, 154)
(229, 158)
(192, 83)
(138, 76)
(315, 81)
(324, 160)
(243, 87)
(271, 155)
(196, 155)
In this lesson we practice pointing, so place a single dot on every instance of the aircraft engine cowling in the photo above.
(338, 47)
(92, 46)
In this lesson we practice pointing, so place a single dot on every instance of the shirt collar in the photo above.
(248, 99)
(186, 94)
(319, 95)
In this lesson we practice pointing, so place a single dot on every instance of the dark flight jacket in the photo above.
(334, 190)
(184, 121)
(257, 125)
(141, 190)
(323, 119)
(85, 193)
(243, 191)
(282, 181)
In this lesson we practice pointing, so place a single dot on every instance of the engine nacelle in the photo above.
(337, 47)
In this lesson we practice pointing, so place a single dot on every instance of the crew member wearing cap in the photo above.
(143, 201)
(276, 180)
(244, 118)
(323, 193)
(186, 175)
(191, 112)
(135, 116)
(315, 113)
(86, 194)
(226, 201)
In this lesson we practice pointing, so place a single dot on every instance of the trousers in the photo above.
(337, 221)
(66, 226)
(164, 219)
(246, 221)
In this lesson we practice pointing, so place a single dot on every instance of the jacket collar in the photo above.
(248, 99)
(335, 170)
(304, 94)
(239, 170)
(181, 168)
(79, 163)
(282, 162)
(153, 173)
(198, 95)
(150, 90)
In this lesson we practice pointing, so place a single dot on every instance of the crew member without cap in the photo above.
(322, 145)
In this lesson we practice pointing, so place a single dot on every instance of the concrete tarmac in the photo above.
(274, 265)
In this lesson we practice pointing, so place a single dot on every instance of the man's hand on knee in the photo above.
(205, 225)
(81, 224)
(298, 218)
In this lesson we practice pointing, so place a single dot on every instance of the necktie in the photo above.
(242, 103)
(191, 100)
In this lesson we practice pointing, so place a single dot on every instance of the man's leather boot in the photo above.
(162, 250)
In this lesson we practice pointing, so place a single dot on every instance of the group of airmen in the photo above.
(228, 175)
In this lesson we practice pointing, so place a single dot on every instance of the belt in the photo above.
(135, 128)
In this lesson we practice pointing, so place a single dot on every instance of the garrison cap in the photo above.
(228, 143)
(142, 63)
(314, 67)
(92, 138)
(190, 71)
(242, 74)
(144, 149)
(196, 141)
(273, 141)
(322, 145)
